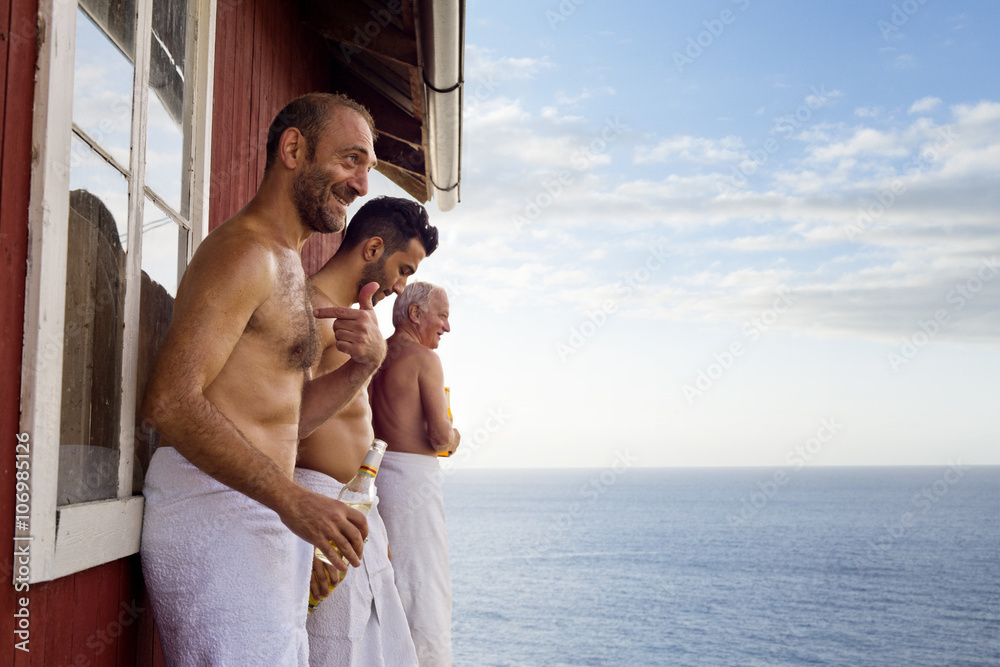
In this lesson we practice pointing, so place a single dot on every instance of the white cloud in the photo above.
(481, 65)
(924, 104)
(694, 149)
(903, 62)
(784, 226)
(821, 99)
(865, 141)
(586, 93)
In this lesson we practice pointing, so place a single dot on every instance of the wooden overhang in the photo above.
(377, 59)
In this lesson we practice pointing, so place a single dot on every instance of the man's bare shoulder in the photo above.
(238, 253)
(405, 354)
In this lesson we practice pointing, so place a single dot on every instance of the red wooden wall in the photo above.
(264, 58)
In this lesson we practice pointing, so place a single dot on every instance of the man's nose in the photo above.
(359, 182)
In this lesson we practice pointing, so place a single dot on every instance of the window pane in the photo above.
(162, 240)
(103, 73)
(167, 137)
(92, 359)
(164, 246)
(89, 171)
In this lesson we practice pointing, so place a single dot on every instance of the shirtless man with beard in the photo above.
(362, 622)
(228, 536)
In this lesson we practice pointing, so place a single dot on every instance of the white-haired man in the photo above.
(410, 413)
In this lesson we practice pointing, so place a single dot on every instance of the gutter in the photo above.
(442, 40)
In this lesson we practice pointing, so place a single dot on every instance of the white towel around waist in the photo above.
(412, 508)
(361, 623)
(228, 582)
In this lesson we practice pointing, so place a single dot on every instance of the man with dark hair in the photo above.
(228, 536)
(362, 622)
(310, 114)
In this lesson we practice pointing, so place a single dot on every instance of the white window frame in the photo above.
(68, 539)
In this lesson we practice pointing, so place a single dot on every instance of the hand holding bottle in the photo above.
(358, 494)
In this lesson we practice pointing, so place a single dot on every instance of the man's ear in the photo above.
(292, 148)
(414, 312)
(373, 248)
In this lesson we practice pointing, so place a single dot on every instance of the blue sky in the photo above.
(725, 233)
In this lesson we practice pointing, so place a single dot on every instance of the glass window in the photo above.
(167, 133)
(103, 75)
(92, 340)
(106, 228)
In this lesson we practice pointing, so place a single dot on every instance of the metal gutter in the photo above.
(442, 40)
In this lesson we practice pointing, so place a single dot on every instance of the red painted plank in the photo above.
(261, 58)
(4, 48)
(243, 93)
(17, 65)
(132, 612)
(148, 652)
(52, 644)
(222, 113)
(93, 611)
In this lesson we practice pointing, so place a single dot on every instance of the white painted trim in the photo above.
(90, 534)
(203, 73)
(45, 293)
(133, 258)
(72, 538)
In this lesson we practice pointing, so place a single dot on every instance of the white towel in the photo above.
(229, 583)
(361, 623)
(413, 510)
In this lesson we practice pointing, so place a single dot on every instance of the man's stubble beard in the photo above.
(374, 274)
(311, 194)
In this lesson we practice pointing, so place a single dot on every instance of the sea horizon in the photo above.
(749, 565)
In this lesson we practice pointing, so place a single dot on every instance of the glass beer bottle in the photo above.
(359, 493)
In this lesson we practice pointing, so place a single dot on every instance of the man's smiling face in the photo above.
(336, 174)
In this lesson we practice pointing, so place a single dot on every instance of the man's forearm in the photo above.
(327, 395)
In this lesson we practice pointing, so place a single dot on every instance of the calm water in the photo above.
(850, 566)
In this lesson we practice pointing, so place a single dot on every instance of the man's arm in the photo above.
(216, 302)
(359, 337)
(430, 380)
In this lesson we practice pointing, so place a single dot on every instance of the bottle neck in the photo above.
(373, 459)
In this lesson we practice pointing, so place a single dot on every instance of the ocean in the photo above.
(751, 566)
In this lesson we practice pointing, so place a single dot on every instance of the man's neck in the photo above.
(338, 281)
(271, 204)
(404, 337)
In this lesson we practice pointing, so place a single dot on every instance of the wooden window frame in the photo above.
(71, 538)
